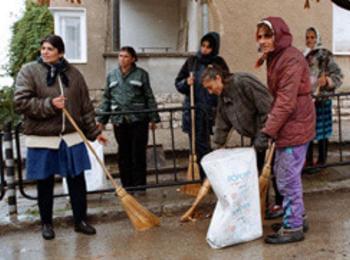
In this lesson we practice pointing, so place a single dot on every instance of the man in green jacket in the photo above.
(128, 89)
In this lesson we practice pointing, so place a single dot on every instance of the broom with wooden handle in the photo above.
(140, 217)
(203, 191)
(264, 179)
(193, 167)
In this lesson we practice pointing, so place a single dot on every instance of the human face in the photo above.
(266, 42)
(49, 53)
(214, 86)
(310, 39)
(125, 59)
(205, 48)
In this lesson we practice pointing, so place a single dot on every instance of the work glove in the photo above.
(261, 141)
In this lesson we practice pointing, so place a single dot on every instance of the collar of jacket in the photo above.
(132, 69)
(225, 96)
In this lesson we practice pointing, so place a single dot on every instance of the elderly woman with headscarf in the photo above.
(325, 77)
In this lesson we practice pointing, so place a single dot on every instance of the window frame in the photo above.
(334, 36)
(75, 12)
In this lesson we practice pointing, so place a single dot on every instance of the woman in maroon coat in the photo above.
(291, 121)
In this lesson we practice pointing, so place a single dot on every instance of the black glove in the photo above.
(261, 141)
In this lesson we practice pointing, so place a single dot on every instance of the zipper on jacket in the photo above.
(62, 93)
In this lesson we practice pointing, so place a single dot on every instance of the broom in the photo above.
(204, 190)
(193, 167)
(264, 178)
(140, 217)
(200, 195)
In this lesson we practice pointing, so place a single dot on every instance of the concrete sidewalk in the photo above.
(162, 201)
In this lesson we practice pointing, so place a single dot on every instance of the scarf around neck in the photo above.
(54, 69)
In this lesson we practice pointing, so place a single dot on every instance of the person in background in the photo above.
(290, 123)
(43, 88)
(325, 77)
(205, 103)
(128, 89)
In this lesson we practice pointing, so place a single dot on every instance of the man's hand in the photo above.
(261, 141)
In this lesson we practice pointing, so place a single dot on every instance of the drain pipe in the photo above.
(205, 17)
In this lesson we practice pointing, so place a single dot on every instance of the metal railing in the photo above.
(2, 170)
(341, 144)
(156, 182)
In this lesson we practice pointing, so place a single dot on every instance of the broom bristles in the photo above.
(140, 217)
(264, 179)
(201, 194)
(192, 174)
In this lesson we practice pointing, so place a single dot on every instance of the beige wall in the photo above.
(236, 21)
(96, 19)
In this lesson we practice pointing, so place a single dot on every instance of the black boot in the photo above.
(47, 231)
(85, 228)
(285, 235)
(277, 226)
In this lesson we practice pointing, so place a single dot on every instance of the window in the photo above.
(341, 31)
(70, 24)
(155, 25)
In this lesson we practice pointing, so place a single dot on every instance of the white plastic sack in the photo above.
(95, 178)
(233, 176)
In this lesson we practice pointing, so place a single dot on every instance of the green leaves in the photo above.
(36, 23)
(7, 111)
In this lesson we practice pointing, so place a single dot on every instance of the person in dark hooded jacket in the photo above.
(205, 103)
(291, 121)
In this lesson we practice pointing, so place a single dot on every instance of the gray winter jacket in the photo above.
(243, 106)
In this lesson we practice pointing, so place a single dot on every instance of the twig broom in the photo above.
(204, 190)
(140, 217)
(193, 167)
(264, 178)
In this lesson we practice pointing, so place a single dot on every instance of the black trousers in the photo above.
(77, 194)
(322, 152)
(132, 141)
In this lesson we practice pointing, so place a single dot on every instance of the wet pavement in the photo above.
(328, 238)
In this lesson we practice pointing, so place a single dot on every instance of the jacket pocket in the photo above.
(113, 84)
(136, 83)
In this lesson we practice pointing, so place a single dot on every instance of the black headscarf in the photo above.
(214, 41)
(54, 69)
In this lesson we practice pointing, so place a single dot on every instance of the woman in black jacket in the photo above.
(205, 103)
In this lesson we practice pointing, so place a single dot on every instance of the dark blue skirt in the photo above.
(324, 122)
(44, 162)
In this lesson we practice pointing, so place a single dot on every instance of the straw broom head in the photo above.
(193, 167)
(201, 194)
(141, 218)
(265, 178)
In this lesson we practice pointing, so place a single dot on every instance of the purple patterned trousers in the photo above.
(289, 162)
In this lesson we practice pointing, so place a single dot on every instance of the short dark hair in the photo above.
(212, 71)
(129, 50)
(55, 40)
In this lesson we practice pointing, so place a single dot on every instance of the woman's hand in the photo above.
(102, 139)
(58, 102)
(190, 80)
